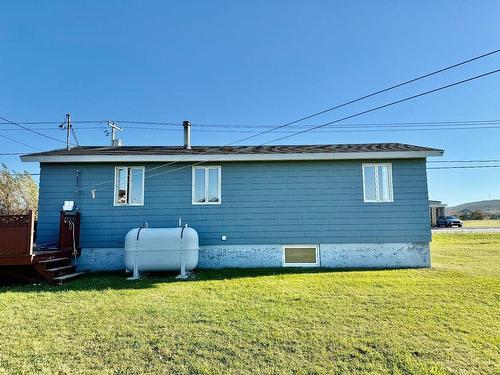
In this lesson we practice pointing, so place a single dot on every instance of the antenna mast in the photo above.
(114, 128)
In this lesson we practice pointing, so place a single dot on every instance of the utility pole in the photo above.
(67, 125)
(68, 130)
(114, 128)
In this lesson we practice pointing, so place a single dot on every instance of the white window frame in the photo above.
(285, 264)
(377, 192)
(115, 200)
(219, 192)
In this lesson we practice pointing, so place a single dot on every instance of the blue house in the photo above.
(341, 206)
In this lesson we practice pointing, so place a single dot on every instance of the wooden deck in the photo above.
(53, 267)
(18, 259)
(33, 258)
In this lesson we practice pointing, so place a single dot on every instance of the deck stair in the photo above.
(57, 267)
(21, 258)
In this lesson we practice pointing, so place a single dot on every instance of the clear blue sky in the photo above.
(253, 62)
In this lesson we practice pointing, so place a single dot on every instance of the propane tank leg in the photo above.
(183, 275)
(136, 275)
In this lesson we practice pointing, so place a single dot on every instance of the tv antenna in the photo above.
(114, 128)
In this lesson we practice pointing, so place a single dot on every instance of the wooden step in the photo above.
(54, 260)
(67, 277)
(59, 268)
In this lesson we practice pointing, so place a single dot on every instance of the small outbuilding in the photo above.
(436, 209)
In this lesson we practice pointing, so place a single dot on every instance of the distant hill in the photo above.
(490, 206)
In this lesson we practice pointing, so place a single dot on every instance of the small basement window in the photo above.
(206, 185)
(129, 186)
(377, 182)
(300, 256)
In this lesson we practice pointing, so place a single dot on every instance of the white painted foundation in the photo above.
(360, 255)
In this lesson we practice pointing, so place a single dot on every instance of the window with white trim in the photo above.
(300, 256)
(377, 182)
(206, 185)
(129, 186)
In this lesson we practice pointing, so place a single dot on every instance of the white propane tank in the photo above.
(161, 249)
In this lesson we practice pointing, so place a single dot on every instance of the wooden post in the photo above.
(67, 229)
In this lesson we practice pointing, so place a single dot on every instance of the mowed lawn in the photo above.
(482, 223)
(439, 320)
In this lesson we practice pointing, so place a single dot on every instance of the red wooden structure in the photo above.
(69, 231)
(16, 238)
(19, 260)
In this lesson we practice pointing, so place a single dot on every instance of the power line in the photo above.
(21, 143)
(388, 104)
(365, 97)
(349, 102)
(335, 130)
(467, 167)
(339, 120)
(74, 135)
(418, 78)
(377, 92)
(318, 126)
(235, 126)
(464, 161)
(362, 124)
(30, 130)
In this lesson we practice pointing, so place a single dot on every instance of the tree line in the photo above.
(18, 192)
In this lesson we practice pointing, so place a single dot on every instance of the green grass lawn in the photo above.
(482, 223)
(439, 320)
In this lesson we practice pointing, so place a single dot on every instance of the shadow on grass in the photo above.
(101, 281)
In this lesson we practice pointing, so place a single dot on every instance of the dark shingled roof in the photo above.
(195, 150)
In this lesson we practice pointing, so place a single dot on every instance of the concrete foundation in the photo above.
(101, 259)
(375, 255)
(361, 255)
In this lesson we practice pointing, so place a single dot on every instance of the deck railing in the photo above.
(16, 235)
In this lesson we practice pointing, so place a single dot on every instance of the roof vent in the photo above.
(187, 134)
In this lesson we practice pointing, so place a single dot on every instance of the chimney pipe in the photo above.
(187, 134)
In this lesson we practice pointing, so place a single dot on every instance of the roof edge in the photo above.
(231, 157)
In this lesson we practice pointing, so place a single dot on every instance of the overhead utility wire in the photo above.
(338, 106)
(196, 125)
(349, 102)
(252, 126)
(74, 135)
(21, 143)
(343, 129)
(30, 130)
(467, 167)
(305, 117)
(464, 161)
(374, 93)
(359, 124)
(351, 116)
(387, 105)
(340, 128)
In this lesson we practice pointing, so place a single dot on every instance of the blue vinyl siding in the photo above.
(262, 203)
